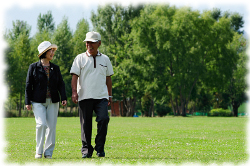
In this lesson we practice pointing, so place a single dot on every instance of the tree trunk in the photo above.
(186, 106)
(235, 108)
(172, 104)
(133, 106)
(124, 112)
(130, 106)
(183, 110)
(152, 108)
(141, 108)
(20, 104)
(177, 107)
(120, 108)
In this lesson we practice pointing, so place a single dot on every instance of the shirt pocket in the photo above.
(102, 69)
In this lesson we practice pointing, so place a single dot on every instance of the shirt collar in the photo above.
(98, 53)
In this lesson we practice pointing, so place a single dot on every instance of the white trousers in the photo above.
(46, 119)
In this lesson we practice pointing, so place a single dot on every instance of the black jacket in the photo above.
(36, 84)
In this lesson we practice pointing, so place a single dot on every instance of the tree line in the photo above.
(165, 59)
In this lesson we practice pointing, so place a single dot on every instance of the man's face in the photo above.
(92, 47)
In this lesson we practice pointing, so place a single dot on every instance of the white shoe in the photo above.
(48, 157)
(38, 156)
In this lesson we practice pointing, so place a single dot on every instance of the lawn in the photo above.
(168, 140)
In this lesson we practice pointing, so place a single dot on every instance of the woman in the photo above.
(44, 83)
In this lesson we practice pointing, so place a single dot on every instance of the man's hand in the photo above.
(74, 87)
(110, 101)
(74, 97)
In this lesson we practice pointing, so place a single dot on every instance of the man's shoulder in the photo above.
(104, 56)
(81, 56)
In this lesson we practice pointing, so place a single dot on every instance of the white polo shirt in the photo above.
(92, 74)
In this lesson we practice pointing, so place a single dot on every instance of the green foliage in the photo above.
(64, 57)
(243, 108)
(45, 22)
(45, 26)
(162, 110)
(146, 104)
(204, 100)
(113, 23)
(237, 85)
(77, 41)
(67, 114)
(18, 57)
(18, 28)
(178, 55)
(220, 112)
(237, 22)
(178, 48)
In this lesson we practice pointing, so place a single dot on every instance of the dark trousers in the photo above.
(86, 108)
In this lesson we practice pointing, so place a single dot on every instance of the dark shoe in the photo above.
(100, 154)
(88, 155)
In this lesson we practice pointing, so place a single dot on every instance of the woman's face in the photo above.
(49, 54)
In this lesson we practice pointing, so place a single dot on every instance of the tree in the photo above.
(237, 22)
(180, 47)
(216, 13)
(237, 85)
(79, 35)
(45, 26)
(18, 58)
(78, 45)
(45, 22)
(204, 99)
(64, 57)
(113, 23)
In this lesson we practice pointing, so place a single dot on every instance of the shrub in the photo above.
(220, 112)
(162, 110)
(9, 114)
(26, 113)
(67, 114)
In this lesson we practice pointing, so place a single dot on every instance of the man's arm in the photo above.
(74, 88)
(109, 85)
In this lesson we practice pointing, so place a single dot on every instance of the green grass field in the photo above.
(169, 140)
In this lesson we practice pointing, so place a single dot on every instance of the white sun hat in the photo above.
(92, 37)
(44, 46)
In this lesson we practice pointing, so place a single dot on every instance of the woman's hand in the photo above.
(28, 107)
(64, 102)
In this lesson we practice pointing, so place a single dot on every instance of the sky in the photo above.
(74, 10)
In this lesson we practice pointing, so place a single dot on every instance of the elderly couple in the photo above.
(91, 89)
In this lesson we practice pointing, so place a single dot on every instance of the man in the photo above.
(92, 89)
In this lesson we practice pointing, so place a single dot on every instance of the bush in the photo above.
(162, 110)
(220, 112)
(67, 114)
(26, 113)
(9, 114)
